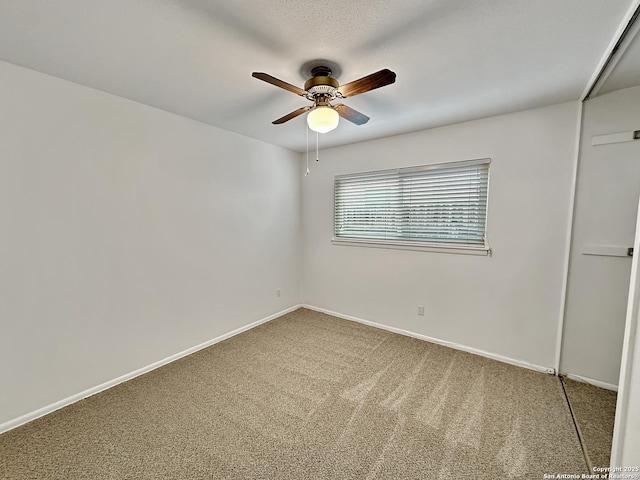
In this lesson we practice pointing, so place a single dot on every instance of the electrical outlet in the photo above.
(421, 310)
(277, 292)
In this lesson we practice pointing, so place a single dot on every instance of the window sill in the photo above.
(399, 245)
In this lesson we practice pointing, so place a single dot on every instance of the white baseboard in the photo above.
(591, 381)
(464, 348)
(6, 426)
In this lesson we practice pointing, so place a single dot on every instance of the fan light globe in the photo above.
(322, 119)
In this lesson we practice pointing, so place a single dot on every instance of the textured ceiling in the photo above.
(455, 60)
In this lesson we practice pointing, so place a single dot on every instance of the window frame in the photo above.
(418, 245)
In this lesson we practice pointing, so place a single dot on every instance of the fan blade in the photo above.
(350, 114)
(291, 115)
(265, 77)
(370, 82)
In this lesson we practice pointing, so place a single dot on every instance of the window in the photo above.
(443, 206)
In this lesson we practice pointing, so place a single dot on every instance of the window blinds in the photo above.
(444, 204)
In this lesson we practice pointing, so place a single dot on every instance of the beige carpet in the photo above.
(309, 396)
(595, 411)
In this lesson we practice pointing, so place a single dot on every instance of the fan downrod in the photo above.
(320, 71)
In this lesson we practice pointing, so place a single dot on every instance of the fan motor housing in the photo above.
(321, 81)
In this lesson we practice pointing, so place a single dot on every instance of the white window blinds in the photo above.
(442, 205)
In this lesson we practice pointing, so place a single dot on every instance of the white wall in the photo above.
(607, 193)
(128, 234)
(508, 304)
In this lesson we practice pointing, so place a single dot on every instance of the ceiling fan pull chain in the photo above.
(306, 174)
(317, 141)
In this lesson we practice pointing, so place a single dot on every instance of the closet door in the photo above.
(626, 434)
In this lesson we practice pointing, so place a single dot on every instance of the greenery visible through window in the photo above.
(440, 205)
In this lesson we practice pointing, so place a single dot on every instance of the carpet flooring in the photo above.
(309, 396)
(595, 410)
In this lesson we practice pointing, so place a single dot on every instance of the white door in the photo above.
(626, 433)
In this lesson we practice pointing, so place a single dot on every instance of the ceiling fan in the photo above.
(322, 89)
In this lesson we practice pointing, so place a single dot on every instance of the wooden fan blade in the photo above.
(370, 82)
(265, 77)
(291, 115)
(350, 114)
